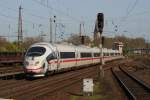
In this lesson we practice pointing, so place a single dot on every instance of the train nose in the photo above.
(33, 69)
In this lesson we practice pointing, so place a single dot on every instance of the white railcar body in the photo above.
(43, 57)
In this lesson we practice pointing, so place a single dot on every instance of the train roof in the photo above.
(69, 47)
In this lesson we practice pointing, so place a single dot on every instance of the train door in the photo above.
(52, 61)
(76, 57)
(58, 60)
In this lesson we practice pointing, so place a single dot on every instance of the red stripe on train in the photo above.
(76, 60)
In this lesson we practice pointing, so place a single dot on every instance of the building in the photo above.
(118, 46)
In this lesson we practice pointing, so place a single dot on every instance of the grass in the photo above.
(73, 98)
(96, 97)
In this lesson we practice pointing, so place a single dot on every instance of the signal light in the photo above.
(100, 22)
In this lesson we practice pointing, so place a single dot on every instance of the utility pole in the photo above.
(82, 37)
(51, 34)
(80, 34)
(20, 34)
(9, 32)
(52, 20)
(55, 28)
(80, 31)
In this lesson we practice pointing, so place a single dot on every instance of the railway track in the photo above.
(135, 88)
(8, 71)
(25, 89)
(11, 58)
(10, 62)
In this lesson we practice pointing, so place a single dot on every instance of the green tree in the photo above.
(125, 49)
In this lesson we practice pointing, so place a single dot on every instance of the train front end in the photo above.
(35, 63)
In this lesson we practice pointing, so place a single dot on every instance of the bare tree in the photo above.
(76, 40)
(29, 41)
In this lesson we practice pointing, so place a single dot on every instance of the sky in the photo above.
(122, 17)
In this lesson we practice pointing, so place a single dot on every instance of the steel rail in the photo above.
(142, 83)
(133, 89)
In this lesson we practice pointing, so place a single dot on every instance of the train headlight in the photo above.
(36, 63)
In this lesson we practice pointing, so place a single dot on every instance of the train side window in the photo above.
(104, 54)
(97, 54)
(51, 56)
(107, 54)
(66, 55)
(84, 55)
(111, 54)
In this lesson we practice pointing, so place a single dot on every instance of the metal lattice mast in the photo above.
(20, 33)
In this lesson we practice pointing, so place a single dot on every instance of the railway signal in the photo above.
(99, 25)
(100, 22)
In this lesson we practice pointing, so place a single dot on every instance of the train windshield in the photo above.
(36, 51)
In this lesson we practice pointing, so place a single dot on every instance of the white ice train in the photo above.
(42, 58)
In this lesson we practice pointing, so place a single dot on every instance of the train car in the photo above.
(42, 58)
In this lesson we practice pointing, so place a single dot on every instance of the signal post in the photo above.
(99, 40)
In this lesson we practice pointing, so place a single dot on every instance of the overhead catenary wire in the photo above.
(59, 11)
(128, 13)
(12, 17)
(27, 12)
(24, 20)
